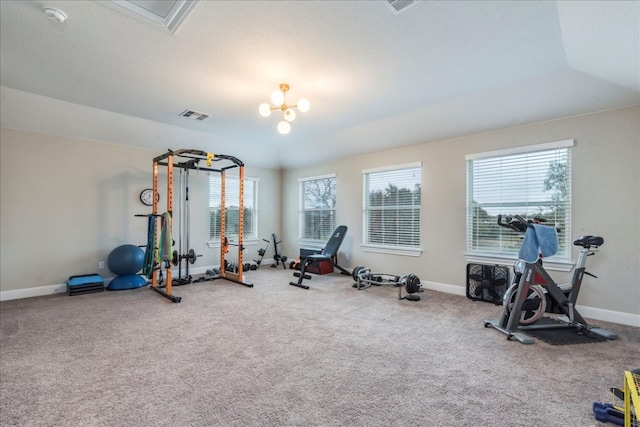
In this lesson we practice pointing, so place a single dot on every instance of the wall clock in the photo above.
(146, 196)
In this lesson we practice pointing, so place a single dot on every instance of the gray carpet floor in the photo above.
(277, 355)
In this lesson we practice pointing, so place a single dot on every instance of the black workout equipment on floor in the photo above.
(487, 283)
(277, 256)
(261, 253)
(556, 334)
(533, 290)
(365, 278)
(329, 253)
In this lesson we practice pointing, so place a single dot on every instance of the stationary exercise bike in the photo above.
(533, 292)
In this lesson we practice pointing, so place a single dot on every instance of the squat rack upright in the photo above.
(168, 159)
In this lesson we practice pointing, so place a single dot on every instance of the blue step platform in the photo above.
(84, 284)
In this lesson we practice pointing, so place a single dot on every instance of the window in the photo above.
(232, 191)
(529, 181)
(317, 207)
(391, 209)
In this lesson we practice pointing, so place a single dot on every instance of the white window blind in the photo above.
(391, 206)
(232, 198)
(534, 182)
(317, 207)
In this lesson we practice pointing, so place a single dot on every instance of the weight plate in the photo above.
(174, 258)
(192, 256)
(355, 272)
(413, 284)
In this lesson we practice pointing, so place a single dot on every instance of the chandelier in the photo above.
(288, 114)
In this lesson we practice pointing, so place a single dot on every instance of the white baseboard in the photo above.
(588, 312)
(609, 316)
(443, 287)
(33, 292)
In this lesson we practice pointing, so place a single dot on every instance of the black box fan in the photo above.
(487, 283)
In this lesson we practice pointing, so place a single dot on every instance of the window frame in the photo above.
(560, 262)
(407, 250)
(302, 210)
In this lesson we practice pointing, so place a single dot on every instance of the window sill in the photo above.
(549, 264)
(246, 242)
(319, 244)
(392, 250)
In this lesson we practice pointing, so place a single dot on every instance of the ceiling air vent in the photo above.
(194, 115)
(168, 13)
(398, 6)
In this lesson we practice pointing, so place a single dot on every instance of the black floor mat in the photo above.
(563, 336)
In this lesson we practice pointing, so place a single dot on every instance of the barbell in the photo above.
(190, 257)
(364, 278)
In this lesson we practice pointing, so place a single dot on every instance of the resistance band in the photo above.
(149, 262)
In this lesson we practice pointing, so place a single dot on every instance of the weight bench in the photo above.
(329, 253)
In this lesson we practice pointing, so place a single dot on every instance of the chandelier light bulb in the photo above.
(289, 115)
(277, 98)
(284, 127)
(265, 109)
(289, 112)
(303, 105)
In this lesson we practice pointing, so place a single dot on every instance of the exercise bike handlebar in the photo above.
(515, 222)
(519, 224)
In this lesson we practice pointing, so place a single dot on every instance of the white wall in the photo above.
(606, 202)
(65, 203)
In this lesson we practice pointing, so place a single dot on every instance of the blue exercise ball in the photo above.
(125, 260)
(128, 281)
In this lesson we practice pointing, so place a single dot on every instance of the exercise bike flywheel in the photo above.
(534, 306)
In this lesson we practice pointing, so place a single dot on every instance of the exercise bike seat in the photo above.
(588, 241)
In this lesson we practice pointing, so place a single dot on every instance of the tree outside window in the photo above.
(317, 207)
(392, 207)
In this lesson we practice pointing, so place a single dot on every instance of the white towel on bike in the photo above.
(541, 239)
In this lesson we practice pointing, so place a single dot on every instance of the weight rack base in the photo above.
(172, 298)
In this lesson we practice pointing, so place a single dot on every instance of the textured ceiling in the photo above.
(375, 80)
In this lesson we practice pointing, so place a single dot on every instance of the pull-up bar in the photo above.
(198, 155)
